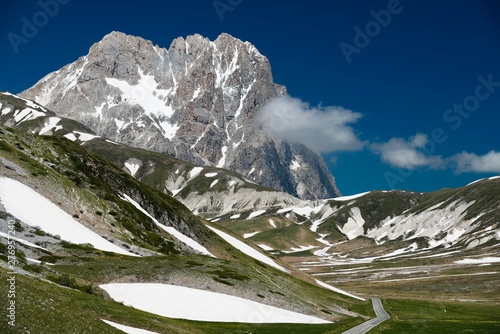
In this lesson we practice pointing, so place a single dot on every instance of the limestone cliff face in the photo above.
(196, 101)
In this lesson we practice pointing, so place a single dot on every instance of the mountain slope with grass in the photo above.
(148, 218)
(86, 223)
(465, 217)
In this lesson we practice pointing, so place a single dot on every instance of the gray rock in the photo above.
(196, 101)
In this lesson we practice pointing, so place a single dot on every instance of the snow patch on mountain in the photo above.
(299, 249)
(81, 136)
(252, 252)
(51, 124)
(21, 241)
(151, 99)
(17, 197)
(27, 114)
(128, 329)
(133, 166)
(490, 259)
(193, 304)
(256, 214)
(350, 198)
(249, 235)
(6, 110)
(195, 172)
(144, 94)
(170, 230)
(354, 226)
(326, 212)
(305, 211)
(429, 223)
(73, 73)
(265, 247)
(345, 293)
(295, 165)
(70, 136)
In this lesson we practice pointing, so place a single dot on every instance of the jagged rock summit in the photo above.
(197, 101)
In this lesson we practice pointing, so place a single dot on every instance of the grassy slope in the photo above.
(409, 315)
(413, 316)
(51, 307)
(158, 168)
(77, 176)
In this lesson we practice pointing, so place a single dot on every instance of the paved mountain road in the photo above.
(367, 325)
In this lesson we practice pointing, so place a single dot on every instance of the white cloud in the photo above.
(470, 162)
(409, 154)
(324, 129)
(329, 129)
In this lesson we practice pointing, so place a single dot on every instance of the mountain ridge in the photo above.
(197, 101)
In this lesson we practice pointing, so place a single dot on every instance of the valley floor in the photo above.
(442, 292)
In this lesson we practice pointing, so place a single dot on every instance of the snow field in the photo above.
(193, 304)
(37, 211)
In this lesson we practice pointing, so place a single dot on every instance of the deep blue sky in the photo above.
(427, 59)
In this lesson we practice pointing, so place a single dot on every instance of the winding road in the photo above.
(367, 325)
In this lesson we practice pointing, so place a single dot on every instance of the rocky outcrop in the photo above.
(197, 101)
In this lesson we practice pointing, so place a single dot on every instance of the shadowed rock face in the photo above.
(197, 101)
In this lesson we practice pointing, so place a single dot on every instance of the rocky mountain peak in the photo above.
(196, 100)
